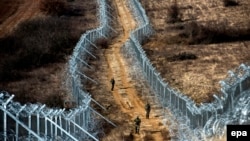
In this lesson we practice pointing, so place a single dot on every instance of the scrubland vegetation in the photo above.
(33, 56)
(33, 44)
(197, 42)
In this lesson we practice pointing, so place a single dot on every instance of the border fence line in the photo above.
(182, 106)
(38, 122)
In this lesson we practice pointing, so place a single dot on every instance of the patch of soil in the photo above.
(16, 12)
(8, 8)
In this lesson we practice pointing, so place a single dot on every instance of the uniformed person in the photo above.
(112, 81)
(147, 108)
(137, 124)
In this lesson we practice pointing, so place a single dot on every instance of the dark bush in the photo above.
(55, 101)
(230, 3)
(53, 7)
(7, 73)
(103, 43)
(8, 44)
(182, 56)
(73, 12)
(173, 13)
(23, 97)
(213, 33)
(46, 41)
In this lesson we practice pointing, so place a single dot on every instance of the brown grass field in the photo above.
(196, 43)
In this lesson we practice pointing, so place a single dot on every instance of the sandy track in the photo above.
(125, 93)
(26, 10)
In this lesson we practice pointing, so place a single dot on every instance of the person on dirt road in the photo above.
(147, 108)
(137, 124)
(112, 81)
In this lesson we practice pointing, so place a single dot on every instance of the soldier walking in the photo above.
(147, 108)
(112, 81)
(137, 124)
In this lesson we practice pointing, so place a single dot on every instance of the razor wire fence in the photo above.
(83, 51)
(38, 122)
(182, 107)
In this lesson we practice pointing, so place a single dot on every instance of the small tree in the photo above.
(230, 3)
(53, 7)
(173, 13)
(103, 43)
(55, 100)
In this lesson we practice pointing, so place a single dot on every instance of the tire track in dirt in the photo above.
(26, 10)
(125, 93)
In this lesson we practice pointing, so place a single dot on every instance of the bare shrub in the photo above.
(7, 73)
(23, 97)
(69, 104)
(212, 32)
(103, 43)
(182, 56)
(230, 3)
(173, 13)
(53, 7)
(55, 100)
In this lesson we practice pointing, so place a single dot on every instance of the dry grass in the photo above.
(42, 85)
(216, 35)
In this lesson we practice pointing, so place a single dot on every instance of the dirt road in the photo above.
(26, 9)
(125, 93)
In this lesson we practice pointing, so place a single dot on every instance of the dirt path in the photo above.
(26, 10)
(125, 93)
